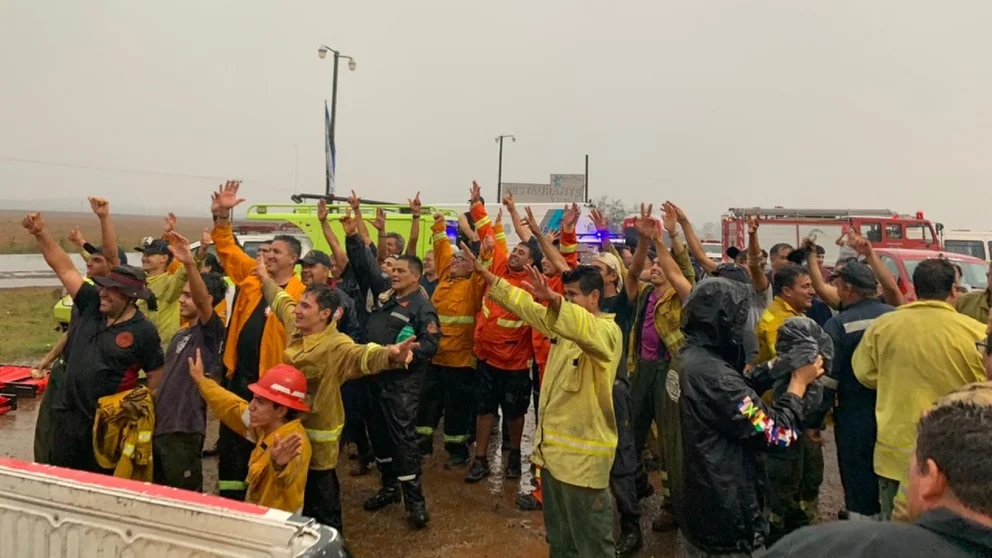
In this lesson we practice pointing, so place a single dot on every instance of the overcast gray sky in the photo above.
(867, 103)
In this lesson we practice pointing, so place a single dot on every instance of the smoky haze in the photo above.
(867, 104)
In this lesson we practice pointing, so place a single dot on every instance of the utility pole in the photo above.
(499, 171)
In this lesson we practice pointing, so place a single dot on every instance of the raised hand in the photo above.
(645, 224)
(679, 214)
(354, 201)
(415, 206)
(479, 268)
(33, 223)
(100, 206)
(179, 246)
(509, 203)
(260, 269)
(348, 223)
(440, 220)
(599, 220)
(570, 217)
(170, 223)
(860, 244)
(206, 238)
(669, 217)
(227, 196)
(752, 224)
(402, 353)
(553, 236)
(380, 220)
(475, 193)
(538, 286)
(284, 450)
(322, 210)
(76, 238)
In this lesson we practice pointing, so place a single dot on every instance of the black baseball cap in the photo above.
(733, 252)
(858, 275)
(314, 257)
(93, 250)
(733, 272)
(155, 247)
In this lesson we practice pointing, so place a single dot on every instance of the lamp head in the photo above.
(322, 52)
(351, 64)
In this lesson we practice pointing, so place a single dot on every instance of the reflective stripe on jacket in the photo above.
(122, 433)
(327, 360)
(280, 489)
(576, 434)
(502, 339)
(457, 301)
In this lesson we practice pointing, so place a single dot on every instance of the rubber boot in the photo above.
(630, 539)
(416, 506)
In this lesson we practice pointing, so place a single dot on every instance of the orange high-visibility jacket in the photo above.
(457, 301)
(569, 248)
(502, 339)
(241, 269)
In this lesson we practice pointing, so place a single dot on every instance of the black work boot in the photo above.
(630, 539)
(513, 465)
(388, 494)
(416, 506)
(478, 471)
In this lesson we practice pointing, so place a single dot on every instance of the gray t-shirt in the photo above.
(178, 405)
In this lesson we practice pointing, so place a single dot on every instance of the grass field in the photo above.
(27, 330)
(130, 229)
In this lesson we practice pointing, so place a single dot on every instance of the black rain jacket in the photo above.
(725, 423)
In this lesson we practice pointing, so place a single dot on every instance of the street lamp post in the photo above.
(499, 172)
(322, 53)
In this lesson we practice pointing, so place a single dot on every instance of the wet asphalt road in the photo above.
(478, 520)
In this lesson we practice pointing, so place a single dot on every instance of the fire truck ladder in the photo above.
(825, 214)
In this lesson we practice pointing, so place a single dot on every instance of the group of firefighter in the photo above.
(370, 346)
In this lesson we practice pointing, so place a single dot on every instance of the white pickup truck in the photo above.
(53, 512)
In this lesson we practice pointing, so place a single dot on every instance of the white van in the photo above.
(971, 243)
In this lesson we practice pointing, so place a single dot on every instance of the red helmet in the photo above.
(284, 385)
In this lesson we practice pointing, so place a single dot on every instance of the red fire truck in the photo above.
(882, 227)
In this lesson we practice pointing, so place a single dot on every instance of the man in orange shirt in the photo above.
(504, 351)
(255, 336)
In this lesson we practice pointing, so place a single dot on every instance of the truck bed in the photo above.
(53, 512)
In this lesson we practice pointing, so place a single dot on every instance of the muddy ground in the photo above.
(466, 520)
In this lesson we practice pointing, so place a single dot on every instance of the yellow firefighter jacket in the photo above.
(122, 433)
(327, 360)
(576, 434)
(279, 489)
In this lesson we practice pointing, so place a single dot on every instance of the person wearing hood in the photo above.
(109, 342)
(725, 423)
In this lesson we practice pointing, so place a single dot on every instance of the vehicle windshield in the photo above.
(973, 248)
(973, 274)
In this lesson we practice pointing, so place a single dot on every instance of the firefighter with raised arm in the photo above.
(576, 435)
(402, 311)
